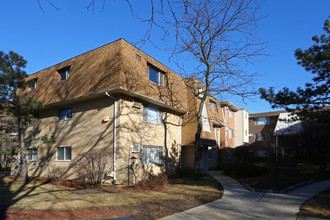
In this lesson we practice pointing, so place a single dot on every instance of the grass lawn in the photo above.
(105, 202)
(318, 206)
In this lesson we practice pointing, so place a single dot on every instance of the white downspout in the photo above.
(114, 135)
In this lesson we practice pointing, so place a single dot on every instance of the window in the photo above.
(152, 155)
(212, 106)
(32, 154)
(64, 153)
(135, 148)
(246, 132)
(13, 136)
(152, 115)
(212, 152)
(63, 74)
(262, 137)
(261, 121)
(230, 113)
(245, 115)
(156, 76)
(230, 132)
(65, 114)
(32, 84)
(138, 58)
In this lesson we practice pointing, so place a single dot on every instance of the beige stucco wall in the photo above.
(84, 132)
(87, 132)
(132, 130)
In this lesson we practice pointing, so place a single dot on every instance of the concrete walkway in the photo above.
(238, 203)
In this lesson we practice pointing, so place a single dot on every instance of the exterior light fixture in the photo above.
(133, 159)
(106, 119)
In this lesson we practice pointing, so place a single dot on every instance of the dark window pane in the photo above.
(60, 153)
(69, 113)
(153, 75)
(62, 114)
(68, 153)
(145, 113)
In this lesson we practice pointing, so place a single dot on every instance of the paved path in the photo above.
(238, 203)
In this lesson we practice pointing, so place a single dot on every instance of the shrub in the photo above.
(184, 172)
(54, 173)
(91, 166)
(244, 170)
(5, 169)
(153, 182)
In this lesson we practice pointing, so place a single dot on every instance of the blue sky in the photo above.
(45, 39)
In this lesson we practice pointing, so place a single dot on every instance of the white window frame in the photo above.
(66, 116)
(160, 75)
(147, 115)
(65, 149)
(135, 148)
(32, 154)
(65, 71)
(152, 155)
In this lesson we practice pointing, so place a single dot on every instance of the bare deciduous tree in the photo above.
(220, 37)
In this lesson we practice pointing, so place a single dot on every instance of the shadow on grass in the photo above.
(10, 197)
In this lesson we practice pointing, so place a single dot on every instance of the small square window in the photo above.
(32, 84)
(64, 153)
(135, 148)
(138, 58)
(32, 154)
(63, 74)
(156, 75)
(65, 114)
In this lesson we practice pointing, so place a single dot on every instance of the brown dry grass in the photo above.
(318, 206)
(180, 194)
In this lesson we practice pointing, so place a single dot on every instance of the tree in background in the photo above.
(308, 102)
(220, 37)
(14, 103)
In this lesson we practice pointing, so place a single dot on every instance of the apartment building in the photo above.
(261, 136)
(119, 100)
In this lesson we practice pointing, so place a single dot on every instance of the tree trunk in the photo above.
(21, 146)
(198, 137)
